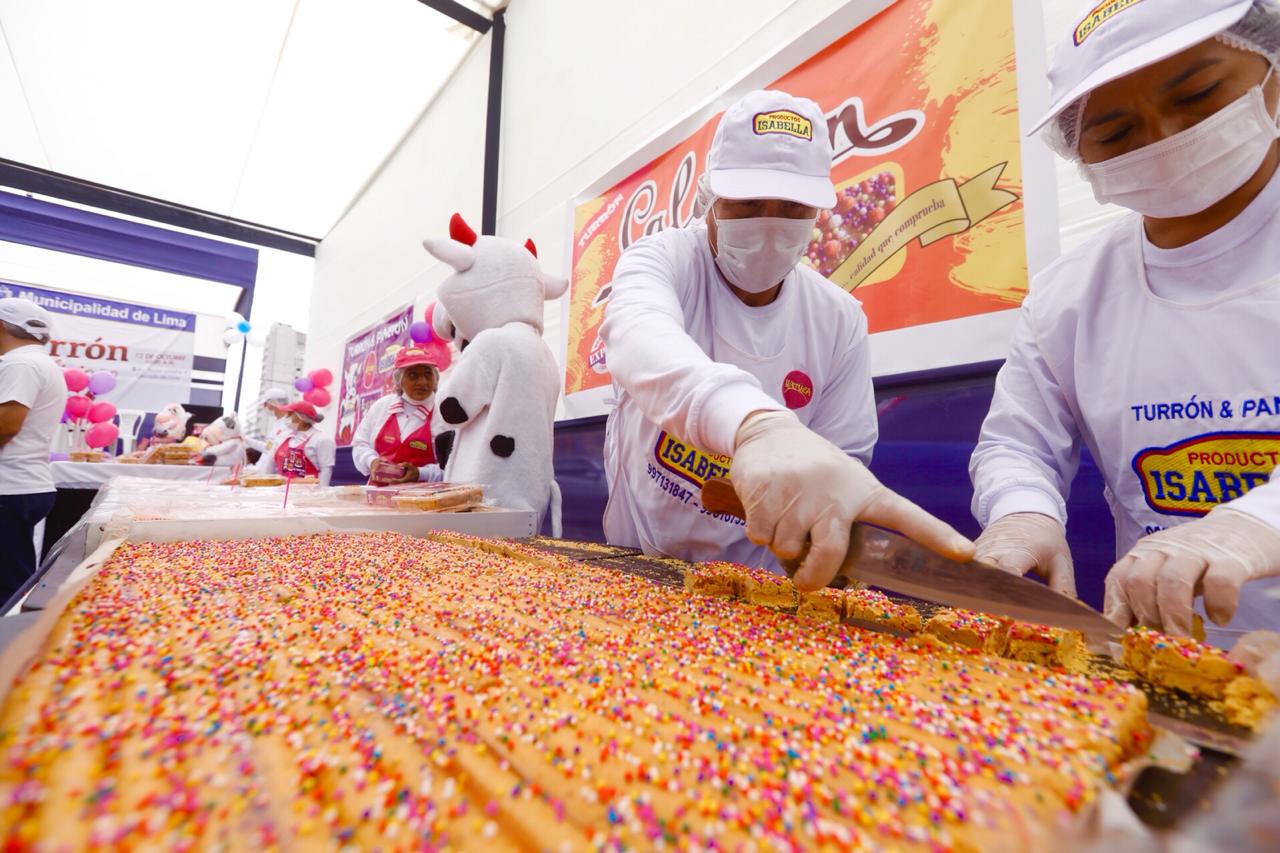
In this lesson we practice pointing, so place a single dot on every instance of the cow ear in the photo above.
(553, 287)
(455, 254)
(462, 232)
(533, 250)
(441, 325)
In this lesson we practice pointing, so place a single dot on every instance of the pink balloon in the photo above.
(77, 380)
(317, 397)
(101, 435)
(440, 349)
(101, 412)
(320, 377)
(78, 407)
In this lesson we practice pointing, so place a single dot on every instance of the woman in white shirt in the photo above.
(393, 443)
(306, 452)
(1156, 344)
(273, 400)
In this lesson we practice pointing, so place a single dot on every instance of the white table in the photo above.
(93, 475)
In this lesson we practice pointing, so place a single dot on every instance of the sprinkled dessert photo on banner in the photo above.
(922, 109)
(368, 369)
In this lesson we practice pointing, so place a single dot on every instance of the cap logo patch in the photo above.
(785, 122)
(1099, 15)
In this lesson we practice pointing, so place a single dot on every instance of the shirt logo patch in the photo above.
(784, 122)
(596, 360)
(688, 462)
(1197, 474)
(797, 389)
(1099, 15)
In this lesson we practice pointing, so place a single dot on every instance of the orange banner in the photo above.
(922, 108)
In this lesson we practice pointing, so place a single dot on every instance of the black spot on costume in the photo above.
(452, 412)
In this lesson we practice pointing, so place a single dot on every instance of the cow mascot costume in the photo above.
(224, 445)
(497, 403)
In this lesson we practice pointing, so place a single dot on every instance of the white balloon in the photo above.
(257, 339)
(231, 336)
(234, 319)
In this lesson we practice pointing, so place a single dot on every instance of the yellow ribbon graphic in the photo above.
(941, 209)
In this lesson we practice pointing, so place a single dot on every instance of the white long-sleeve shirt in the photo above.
(319, 449)
(281, 430)
(409, 420)
(690, 361)
(1165, 363)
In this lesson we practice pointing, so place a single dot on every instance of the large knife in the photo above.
(893, 562)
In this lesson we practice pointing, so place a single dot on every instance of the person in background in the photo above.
(33, 395)
(726, 351)
(393, 443)
(273, 400)
(305, 452)
(1157, 344)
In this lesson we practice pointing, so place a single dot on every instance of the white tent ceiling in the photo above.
(271, 111)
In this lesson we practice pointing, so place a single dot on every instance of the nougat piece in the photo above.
(1180, 663)
(1247, 702)
(1047, 646)
(976, 631)
(719, 580)
(763, 587)
(825, 605)
(871, 605)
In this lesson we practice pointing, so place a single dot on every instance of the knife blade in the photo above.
(894, 562)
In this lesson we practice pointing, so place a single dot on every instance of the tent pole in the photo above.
(244, 352)
(460, 13)
(493, 125)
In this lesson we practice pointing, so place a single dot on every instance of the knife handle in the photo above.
(718, 495)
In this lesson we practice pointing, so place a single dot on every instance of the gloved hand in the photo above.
(796, 485)
(1030, 541)
(1156, 582)
(1259, 651)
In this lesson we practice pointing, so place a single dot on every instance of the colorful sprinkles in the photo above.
(380, 691)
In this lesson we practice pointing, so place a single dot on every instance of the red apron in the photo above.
(415, 450)
(291, 461)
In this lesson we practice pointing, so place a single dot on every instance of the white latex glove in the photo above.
(1259, 651)
(1156, 582)
(1030, 541)
(797, 486)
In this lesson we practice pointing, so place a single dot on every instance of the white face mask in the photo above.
(1192, 170)
(755, 254)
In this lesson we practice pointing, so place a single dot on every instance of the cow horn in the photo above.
(461, 231)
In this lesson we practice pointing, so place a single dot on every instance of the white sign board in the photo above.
(150, 350)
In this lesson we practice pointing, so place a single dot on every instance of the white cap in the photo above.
(273, 395)
(27, 316)
(1114, 38)
(772, 145)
